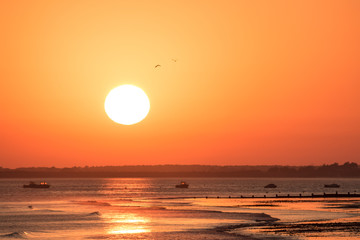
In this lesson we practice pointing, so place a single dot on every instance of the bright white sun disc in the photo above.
(127, 104)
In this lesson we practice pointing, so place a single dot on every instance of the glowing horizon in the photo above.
(239, 82)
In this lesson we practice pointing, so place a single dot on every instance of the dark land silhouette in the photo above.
(347, 170)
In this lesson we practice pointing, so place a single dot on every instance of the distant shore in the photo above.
(347, 170)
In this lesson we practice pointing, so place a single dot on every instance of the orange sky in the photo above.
(256, 82)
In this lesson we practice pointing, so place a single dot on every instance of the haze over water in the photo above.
(155, 209)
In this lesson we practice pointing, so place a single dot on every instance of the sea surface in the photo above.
(151, 208)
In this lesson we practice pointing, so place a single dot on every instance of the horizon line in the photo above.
(188, 165)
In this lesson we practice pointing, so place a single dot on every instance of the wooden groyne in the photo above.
(324, 195)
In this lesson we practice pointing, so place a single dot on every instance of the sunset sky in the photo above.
(255, 82)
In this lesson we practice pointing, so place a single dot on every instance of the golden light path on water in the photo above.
(126, 223)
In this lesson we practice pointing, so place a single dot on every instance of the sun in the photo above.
(127, 104)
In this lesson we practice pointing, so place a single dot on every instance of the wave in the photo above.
(46, 210)
(155, 208)
(95, 203)
(256, 217)
(94, 214)
(123, 200)
(22, 235)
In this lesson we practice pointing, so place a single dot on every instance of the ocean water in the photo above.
(150, 208)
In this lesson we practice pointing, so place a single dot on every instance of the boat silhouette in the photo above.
(271, 185)
(182, 185)
(35, 185)
(334, 185)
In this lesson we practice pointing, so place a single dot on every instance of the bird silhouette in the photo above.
(157, 65)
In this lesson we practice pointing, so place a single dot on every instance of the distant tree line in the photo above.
(347, 170)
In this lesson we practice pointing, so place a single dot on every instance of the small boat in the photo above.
(271, 185)
(334, 185)
(182, 185)
(35, 185)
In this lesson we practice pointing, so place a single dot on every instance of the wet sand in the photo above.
(340, 221)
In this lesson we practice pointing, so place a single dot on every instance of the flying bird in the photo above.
(157, 65)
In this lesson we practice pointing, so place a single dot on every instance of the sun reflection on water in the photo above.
(127, 223)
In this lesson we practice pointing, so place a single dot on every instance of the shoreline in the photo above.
(147, 209)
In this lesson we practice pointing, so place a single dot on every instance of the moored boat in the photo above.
(182, 185)
(35, 185)
(334, 185)
(271, 185)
